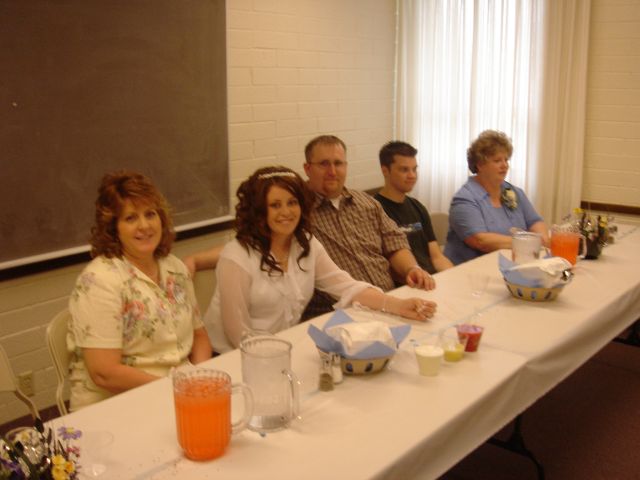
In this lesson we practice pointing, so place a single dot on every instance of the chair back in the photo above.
(440, 224)
(204, 284)
(57, 344)
(8, 383)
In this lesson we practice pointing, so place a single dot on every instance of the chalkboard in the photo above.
(90, 86)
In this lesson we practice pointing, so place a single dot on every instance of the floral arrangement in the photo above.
(37, 453)
(509, 198)
(597, 232)
(594, 230)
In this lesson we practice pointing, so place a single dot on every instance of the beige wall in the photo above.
(296, 69)
(612, 143)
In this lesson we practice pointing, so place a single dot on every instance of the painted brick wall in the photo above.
(299, 68)
(612, 142)
(296, 69)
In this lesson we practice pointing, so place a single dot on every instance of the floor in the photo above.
(588, 427)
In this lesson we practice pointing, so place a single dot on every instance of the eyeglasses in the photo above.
(325, 164)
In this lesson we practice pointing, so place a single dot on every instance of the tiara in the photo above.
(264, 176)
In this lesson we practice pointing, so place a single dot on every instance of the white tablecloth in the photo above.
(397, 424)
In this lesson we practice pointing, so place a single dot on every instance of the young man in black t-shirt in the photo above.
(400, 170)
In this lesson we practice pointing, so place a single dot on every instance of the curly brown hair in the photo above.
(486, 145)
(251, 226)
(115, 188)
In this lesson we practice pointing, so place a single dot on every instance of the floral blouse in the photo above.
(114, 305)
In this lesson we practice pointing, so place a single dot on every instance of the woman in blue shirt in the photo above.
(486, 208)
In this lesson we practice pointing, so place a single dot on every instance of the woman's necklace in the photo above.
(151, 270)
(281, 256)
(283, 261)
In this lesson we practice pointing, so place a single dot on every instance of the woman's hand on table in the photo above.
(412, 308)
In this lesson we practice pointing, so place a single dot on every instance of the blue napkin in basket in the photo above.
(376, 349)
(548, 274)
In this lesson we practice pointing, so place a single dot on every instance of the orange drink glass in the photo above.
(203, 411)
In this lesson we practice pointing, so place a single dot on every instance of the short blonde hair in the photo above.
(486, 145)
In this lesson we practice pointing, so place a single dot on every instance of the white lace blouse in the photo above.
(271, 302)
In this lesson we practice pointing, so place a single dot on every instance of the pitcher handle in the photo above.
(293, 389)
(582, 248)
(247, 394)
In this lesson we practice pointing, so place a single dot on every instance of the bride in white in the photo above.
(266, 275)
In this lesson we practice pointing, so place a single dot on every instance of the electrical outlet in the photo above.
(25, 383)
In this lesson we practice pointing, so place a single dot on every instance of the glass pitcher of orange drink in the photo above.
(567, 242)
(203, 411)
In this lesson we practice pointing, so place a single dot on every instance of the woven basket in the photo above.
(531, 294)
(367, 366)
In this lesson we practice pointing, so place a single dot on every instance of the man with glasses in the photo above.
(354, 229)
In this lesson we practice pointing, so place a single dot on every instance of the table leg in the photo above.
(633, 338)
(515, 444)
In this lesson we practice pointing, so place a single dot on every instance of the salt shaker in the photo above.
(336, 368)
(325, 384)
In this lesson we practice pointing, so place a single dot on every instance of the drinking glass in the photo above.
(471, 334)
(453, 345)
(429, 358)
(478, 283)
(94, 452)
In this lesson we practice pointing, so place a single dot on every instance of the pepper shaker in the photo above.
(325, 383)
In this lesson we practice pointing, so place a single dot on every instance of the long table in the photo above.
(397, 424)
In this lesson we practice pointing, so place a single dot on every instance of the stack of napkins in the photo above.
(547, 272)
(359, 340)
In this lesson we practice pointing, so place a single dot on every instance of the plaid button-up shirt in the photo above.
(359, 237)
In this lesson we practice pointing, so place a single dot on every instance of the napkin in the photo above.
(547, 272)
(357, 340)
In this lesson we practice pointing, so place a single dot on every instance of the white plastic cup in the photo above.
(429, 358)
(94, 452)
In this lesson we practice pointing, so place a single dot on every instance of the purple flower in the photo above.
(11, 466)
(69, 433)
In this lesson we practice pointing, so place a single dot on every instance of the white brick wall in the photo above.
(612, 141)
(296, 69)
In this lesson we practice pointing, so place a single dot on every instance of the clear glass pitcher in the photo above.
(525, 247)
(266, 368)
(202, 399)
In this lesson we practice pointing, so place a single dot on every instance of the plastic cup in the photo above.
(478, 281)
(454, 348)
(429, 358)
(94, 452)
(472, 333)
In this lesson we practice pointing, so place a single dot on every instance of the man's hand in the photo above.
(418, 278)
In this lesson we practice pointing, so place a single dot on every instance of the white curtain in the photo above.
(513, 65)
